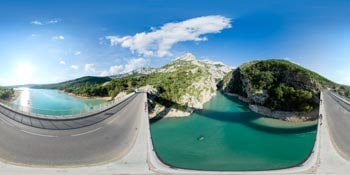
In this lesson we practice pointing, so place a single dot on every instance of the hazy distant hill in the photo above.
(138, 72)
(74, 83)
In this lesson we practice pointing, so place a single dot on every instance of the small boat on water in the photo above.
(200, 138)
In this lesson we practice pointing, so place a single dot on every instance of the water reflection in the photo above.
(53, 102)
(24, 99)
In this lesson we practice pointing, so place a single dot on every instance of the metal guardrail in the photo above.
(64, 123)
(341, 98)
(62, 114)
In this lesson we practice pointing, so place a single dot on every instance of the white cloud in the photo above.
(75, 67)
(131, 65)
(104, 73)
(62, 62)
(159, 41)
(116, 69)
(53, 21)
(60, 37)
(77, 53)
(41, 23)
(36, 22)
(90, 68)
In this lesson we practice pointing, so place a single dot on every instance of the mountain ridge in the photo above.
(175, 89)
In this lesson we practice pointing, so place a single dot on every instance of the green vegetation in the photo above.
(87, 90)
(289, 86)
(171, 85)
(343, 91)
(290, 99)
(85, 86)
(74, 83)
(6, 93)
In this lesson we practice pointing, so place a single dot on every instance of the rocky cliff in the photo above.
(201, 77)
(277, 84)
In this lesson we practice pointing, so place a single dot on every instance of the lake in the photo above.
(226, 135)
(53, 102)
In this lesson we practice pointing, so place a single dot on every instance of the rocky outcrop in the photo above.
(277, 88)
(200, 91)
(246, 100)
(284, 115)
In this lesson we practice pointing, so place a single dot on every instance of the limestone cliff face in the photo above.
(201, 89)
(277, 85)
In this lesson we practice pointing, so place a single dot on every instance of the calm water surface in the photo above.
(53, 102)
(226, 135)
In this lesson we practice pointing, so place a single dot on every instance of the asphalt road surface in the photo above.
(63, 122)
(105, 140)
(338, 119)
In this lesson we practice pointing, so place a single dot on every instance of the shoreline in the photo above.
(294, 117)
(16, 94)
(14, 97)
(84, 97)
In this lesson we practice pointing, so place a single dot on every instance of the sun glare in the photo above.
(24, 72)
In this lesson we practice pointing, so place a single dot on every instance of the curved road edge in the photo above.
(64, 123)
(332, 131)
(68, 117)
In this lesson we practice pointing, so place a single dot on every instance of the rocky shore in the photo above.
(193, 102)
(167, 112)
(282, 115)
(84, 97)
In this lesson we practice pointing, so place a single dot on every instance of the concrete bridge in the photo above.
(117, 140)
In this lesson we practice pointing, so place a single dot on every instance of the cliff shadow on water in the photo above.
(244, 117)
(167, 104)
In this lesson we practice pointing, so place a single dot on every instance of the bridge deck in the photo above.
(101, 141)
(62, 123)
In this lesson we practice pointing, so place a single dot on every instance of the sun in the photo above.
(24, 72)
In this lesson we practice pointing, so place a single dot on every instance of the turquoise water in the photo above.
(226, 135)
(53, 102)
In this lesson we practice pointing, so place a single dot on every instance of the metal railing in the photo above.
(46, 113)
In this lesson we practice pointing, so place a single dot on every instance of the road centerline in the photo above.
(91, 131)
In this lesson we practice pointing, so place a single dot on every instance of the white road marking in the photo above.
(86, 132)
(42, 135)
(113, 119)
(7, 123)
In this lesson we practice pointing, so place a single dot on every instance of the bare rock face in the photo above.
(301, 81)
(199, 92)
(259, 97)
(284, 115)
(121, 94)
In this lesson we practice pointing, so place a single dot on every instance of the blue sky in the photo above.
(52, 41)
